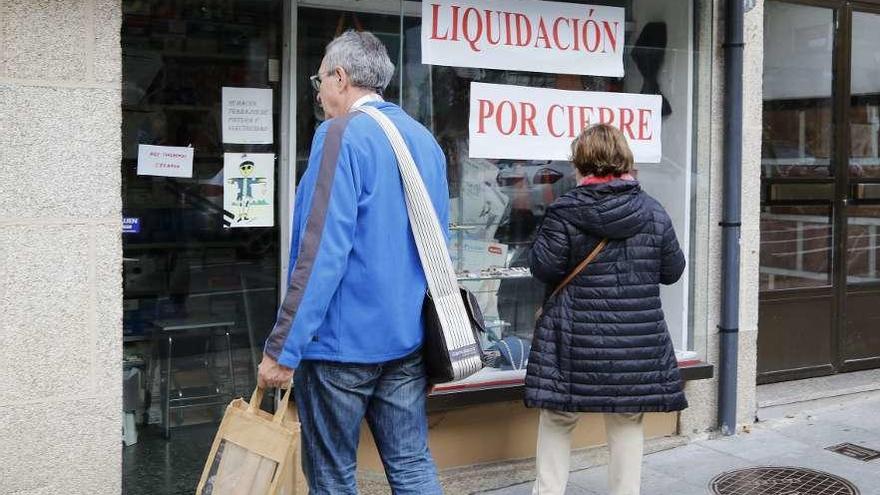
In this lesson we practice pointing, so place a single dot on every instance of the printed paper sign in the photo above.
(247, 116)
(472, 256)
(528, 35)
(165, 161)
(249, 189)
(518, 122)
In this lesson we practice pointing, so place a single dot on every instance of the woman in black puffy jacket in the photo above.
(601, 344)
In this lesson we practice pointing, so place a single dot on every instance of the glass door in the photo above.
(821, 190)
(201, 237)
(860, 329)
(796, 336)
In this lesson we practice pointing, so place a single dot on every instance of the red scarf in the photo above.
(604, 179)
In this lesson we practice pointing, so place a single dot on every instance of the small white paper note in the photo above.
(165, 161)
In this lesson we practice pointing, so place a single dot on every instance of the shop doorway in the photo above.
(820, 200)
(202, 242)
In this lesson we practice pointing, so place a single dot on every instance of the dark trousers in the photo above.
(334, 398)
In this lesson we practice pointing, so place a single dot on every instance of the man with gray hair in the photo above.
(351, 322)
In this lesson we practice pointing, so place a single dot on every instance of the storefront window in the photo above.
(797, 91)
(200, 246)
(796, 220)
(865, 102)
(497, 205)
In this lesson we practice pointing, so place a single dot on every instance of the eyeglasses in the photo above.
(316, 80)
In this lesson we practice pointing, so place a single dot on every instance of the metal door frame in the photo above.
(839, 177)
(840, 159)
(287, 167)
(844, 183)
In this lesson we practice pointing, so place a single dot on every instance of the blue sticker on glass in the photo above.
(131, 225)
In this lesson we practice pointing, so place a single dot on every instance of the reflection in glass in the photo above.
(199, 298)
(863, 229)
(865, 101)
(795, 247)
(315, 29)
(497, 205)
(798, 51)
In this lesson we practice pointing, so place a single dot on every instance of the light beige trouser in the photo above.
(626, 440)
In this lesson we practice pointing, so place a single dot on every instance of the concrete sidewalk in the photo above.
(797, 440)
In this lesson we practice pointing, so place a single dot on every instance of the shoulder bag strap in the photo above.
(578, 269)
(431, 245)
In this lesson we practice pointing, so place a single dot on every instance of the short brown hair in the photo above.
(601, 150)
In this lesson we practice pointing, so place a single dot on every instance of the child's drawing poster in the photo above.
(249, 189)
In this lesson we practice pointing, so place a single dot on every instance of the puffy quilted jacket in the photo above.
(602, 344)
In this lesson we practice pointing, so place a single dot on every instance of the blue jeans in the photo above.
(334, 398)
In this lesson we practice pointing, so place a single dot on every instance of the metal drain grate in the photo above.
(780, 481)
(855, 451)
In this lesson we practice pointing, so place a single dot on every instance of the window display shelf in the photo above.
(487, 387)
(465, 226)
(485, 378)
(496, 323)
(495, 274)
(473, 226)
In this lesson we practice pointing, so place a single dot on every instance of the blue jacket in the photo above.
(356, 283)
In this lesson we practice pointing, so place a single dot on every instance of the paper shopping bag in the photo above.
(254, 452)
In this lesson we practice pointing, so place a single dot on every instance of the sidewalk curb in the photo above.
(773, 410)
(482, 478)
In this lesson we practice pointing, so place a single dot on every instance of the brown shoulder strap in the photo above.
(578, 269)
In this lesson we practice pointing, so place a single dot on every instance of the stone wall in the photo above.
(60, 247)
(701, 418)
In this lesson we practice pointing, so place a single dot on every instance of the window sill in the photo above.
(460, 396)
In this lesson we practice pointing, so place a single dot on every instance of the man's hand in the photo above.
(271, 374)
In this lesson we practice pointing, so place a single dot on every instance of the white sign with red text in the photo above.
(165, 161)
(518, 122)
(528, 35)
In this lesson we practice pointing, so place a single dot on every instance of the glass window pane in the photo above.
(862, 244)
(498, 204)
(798, 51)
(865, 101)
(861, 340)
(316, 27)
(796, 246)
(199, 297)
